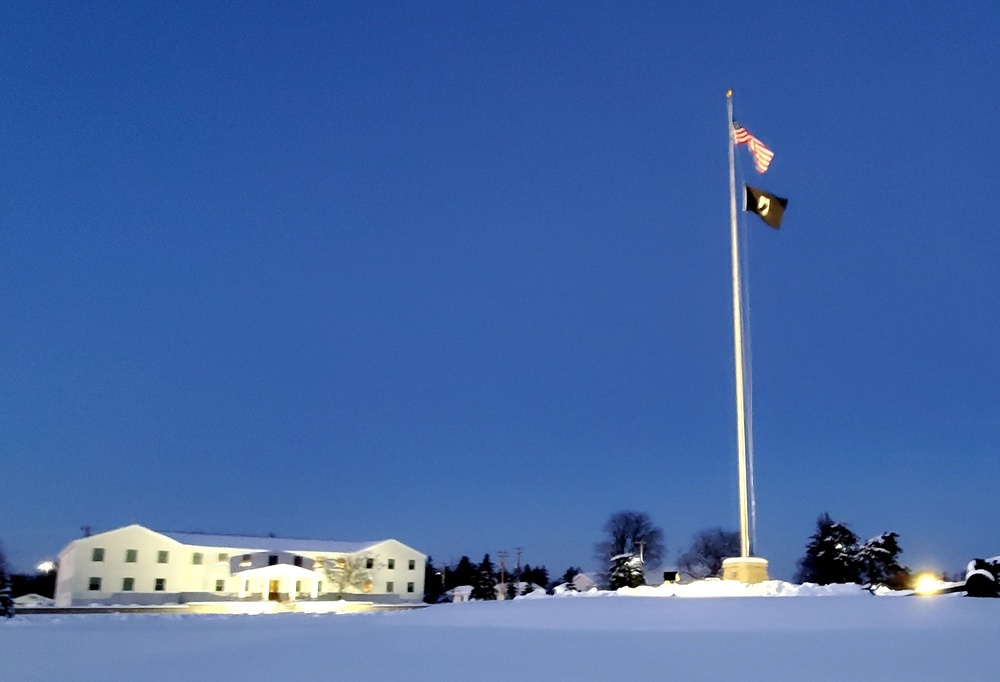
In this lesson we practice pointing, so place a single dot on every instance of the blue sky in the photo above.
(458, 273)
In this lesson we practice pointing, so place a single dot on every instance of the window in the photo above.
(392, 564)
(220, 585)
(128, 584)
(368, 586)
(298, 561)
(389, 586)
(412, 564)
(272, 560)
(298, 585)
(409, 587)
(223, 557)
(161, 584)
(319, 586)
(98, 554)
(94, 585)
(369, 563)
(162, 556)
(131, 556)
(197, 558)
(245, 561)
(246, 586)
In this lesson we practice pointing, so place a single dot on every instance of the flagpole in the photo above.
(741, 426)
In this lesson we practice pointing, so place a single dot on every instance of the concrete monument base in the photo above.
(748, 569)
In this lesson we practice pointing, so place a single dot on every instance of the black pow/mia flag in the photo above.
(769, 207)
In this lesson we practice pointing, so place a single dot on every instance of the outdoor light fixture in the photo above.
(928, 583)
(46, 567)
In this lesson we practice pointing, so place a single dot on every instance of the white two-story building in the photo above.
(136, 565)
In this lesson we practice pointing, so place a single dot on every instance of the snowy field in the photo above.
(855, 637)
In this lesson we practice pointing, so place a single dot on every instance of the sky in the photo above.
(459, 273)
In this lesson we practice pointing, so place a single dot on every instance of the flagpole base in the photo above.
(747, 569)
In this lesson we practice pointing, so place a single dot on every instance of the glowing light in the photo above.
(46, 567)
(928, 583)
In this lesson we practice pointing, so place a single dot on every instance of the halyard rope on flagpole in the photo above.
(748, 373)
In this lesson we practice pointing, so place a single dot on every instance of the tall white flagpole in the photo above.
(741, 426)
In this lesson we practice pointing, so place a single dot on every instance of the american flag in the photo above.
(761, 155)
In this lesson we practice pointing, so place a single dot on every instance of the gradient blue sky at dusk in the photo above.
(458, 273)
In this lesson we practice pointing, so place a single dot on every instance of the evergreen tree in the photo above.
(6, 598)
(486, 581)
(626, 571)
(878, 561)
(567, 578)
(511, 587)
(538, 575)
(433, 582)
(462, 573)
(831, 555)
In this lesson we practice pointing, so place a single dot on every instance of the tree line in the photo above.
(833, 554)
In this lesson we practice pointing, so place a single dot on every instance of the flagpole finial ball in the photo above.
(729, 93)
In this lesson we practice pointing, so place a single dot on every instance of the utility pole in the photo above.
(503, 559)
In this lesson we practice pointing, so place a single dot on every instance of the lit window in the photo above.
(128, 584)
(197, 558)
(368, 586)
(412, 564)
(369, 563)
(98, 554)
(409, 587)
(162, 556)
(161, 584)
(94, 585)
(389, 586)
(131, 556)
(392, 564)
(220, 585)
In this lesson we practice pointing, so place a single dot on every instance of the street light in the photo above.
(46, 567)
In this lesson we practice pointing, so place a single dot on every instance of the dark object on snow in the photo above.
(982, 578)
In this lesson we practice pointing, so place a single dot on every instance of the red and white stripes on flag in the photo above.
(761, 155)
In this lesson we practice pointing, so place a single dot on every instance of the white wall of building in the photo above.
(189, 572)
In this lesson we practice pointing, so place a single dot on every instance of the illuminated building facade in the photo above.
(136, 565)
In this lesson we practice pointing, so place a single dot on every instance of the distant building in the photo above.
(460, 594)
(136, 565)
(581, 583)
(32, 601)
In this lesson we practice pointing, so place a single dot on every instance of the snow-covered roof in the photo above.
(267, 543)
(27, 600)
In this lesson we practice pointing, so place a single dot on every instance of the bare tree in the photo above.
(354, 571)
(631, 532)
(6, 599)
(709, 547)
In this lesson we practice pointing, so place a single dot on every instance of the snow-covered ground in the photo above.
(849, 635)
